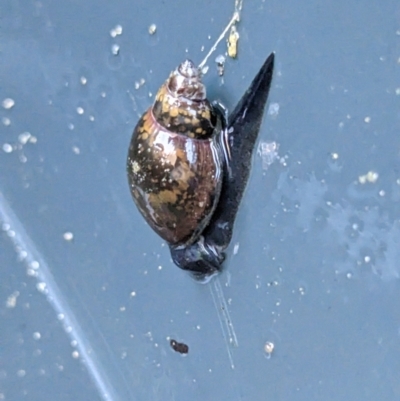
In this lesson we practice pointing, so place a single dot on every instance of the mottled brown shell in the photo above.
(174, 166)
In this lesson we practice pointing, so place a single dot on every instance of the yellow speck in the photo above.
(232, 42)
(174, 112)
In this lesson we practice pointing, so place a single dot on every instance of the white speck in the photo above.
(139, 83)
(83, 80)
(71, 126)
(35, 264)
(160, 267)
(36, 335)
(371, 177)
(269, 348)
(91, 118)
(152, 29)
(117, 30)
(367, 259)
(8, 103)
(133, 294)
(75, 354)
(41, 287)
(12, 300)
(115, 49)
(268, 152)
(236, 248)
(80, 110)
(24, 137)
(7, 148)
(68, 236)
(6, 121)
(273, 110)
(21, 373)
(397, 91)
(76, 150)
(367, 120)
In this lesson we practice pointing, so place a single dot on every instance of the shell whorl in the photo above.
(181, 105)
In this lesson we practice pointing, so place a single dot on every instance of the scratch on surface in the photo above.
(224, 318)
(32, 259)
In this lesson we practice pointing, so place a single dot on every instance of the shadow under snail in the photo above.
(188, 165)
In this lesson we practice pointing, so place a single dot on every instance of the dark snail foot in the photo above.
(204, 258)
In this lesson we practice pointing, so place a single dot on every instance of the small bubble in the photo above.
(76, 150)
(7, 148)
(80, 110)
(68, 236)
(115, 49)
(273, 110)
(83, 80)
(269, 349)
(6, 121)
(21, 373)
(24, 137)
(152, 29)
(367, 120)
(117, 30)
(75, 354)
(41, 287)
(12, 300)
(36, 335)
(8, 103)
(133, 294)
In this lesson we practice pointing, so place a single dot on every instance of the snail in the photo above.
(188, 165)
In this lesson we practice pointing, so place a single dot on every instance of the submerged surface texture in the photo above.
(90, 298)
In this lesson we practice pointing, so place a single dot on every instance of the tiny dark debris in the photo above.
(179, 347)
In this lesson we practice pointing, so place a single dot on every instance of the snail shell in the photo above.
(174, 162)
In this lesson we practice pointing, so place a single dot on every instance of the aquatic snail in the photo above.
(188, 165)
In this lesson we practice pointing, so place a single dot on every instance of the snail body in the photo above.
(188, 165)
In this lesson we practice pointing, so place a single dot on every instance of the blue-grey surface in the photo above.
(317, 267)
